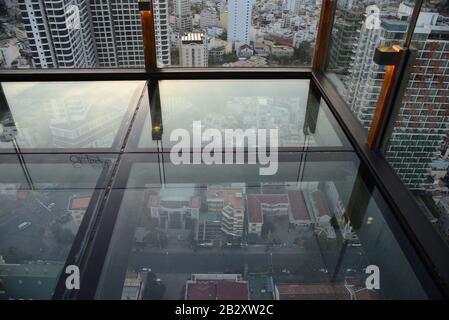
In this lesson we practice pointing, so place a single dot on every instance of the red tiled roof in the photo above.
(79, 203)
(231, 196)
(228, 290)
(320, 203)
(298, 205)
(255, 201)
(246, 46)
(195, 202)
(201, 291)
(217, 290)
(254, 212)
(153, 201)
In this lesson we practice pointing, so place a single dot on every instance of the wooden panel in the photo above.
(381, 106)
(149, 46)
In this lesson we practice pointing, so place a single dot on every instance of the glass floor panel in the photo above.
(293, 107)
(44, 200)
(208, 232)
(65, 115)
(147, 219)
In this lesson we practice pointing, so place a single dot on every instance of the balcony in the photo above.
(177, 183)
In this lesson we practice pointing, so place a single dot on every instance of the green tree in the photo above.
(303, 54)
(230, 57)
(224, 36)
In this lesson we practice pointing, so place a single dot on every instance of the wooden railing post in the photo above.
(149, 40)
(323, 34)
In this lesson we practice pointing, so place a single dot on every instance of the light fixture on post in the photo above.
(149, 40)
(398, 61)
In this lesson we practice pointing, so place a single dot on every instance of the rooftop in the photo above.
(193, 37)
(217, 290)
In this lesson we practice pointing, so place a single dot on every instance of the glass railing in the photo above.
(418, 147)
(359, 28)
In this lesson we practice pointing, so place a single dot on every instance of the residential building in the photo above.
(282, 52)
(349, 17)
(193, 50)
(183, 15)
(59, 33)
(208, 18)
(92, 33)
(173, 209)
(292, 5)
(229, 201)
(239, 21)
(260, 205)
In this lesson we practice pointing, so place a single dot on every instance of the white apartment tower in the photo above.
(183, 15)
(59, 33)
(239, 22)
(209, 18)
(118, 33)
(108, 33)
(193, 50)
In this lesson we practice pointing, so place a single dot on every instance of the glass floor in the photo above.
(145, 188)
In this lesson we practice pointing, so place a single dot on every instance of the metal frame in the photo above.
(27, 75)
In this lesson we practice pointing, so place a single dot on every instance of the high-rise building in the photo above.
(424, 115)
(86, 34)
(118, 33)
(59, 33)
(348, 20)
(193, 50)
(239, 21)
(183, 15)
(208, 18)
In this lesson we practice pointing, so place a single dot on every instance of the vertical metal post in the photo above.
(323, 34)
(390, 99)
(149, 41)
(399, 61)
(412, 23)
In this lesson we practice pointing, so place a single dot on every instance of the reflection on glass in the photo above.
(221, 235)
(42, 204)
(418, 148)
(64, 115)
(359, 28)
(292, 107)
